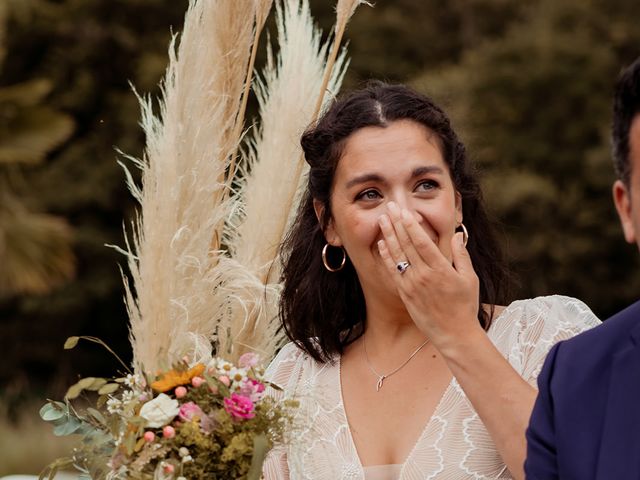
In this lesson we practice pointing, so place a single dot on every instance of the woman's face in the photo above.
(400, 163)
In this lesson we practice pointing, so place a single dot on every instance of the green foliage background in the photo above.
(528, 85)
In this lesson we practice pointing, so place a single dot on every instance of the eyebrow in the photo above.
(374, 177)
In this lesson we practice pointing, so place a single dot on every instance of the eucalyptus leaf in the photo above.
(51, 412)
(67, 428)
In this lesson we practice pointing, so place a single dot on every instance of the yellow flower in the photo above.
(174, 378)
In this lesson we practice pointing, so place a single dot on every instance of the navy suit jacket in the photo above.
(586, 421)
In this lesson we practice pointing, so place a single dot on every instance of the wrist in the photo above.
(460, 347)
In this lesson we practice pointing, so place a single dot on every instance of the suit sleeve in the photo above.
(541, 462)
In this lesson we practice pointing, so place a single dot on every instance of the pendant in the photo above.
(380, 381)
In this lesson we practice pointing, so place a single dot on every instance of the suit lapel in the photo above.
(619, 455)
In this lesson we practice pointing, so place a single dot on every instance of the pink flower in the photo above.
(168, 432)
(248, 360)
(149, 436)
(224, 380)
(180, 391)
(253, 389)
(189, 411)
(239, 406)
(197, 381)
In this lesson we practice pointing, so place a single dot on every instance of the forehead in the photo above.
(400, 142)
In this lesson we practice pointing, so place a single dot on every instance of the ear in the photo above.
(458, 207)
(622, 201)
(330, 233)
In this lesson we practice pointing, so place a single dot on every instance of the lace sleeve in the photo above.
(539, 324)
(284, 371)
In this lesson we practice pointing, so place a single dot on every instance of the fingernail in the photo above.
(393, 208)
(383, 220)
(406, 215)
(460, 239)
(380, 245)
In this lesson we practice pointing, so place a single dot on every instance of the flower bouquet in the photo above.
(202, 251)
(194, 421)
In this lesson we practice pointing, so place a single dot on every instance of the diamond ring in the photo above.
(402, 266)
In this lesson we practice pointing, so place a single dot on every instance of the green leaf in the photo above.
(32, 133)
(260, 449)
(51, 412)
(96, 385)
(97, 415)
(274, 386)
(67, 428)
(26, 94)
(108, 388)
(71, 342)
(74, 391)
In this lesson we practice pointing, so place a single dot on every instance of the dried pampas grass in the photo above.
(202, 256)
(187, 152)
(286, 95)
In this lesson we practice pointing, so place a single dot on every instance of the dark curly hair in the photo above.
(322, 311)
(626, 105)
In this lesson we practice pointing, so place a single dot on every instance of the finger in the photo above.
(391, 240)
(403, 238)
(388, 260)
(422, 242)
(461, 258)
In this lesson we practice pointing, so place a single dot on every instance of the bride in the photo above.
(405, 365)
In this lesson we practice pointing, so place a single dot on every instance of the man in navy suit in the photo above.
(586, 420)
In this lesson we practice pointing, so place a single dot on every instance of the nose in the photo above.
(404, 203)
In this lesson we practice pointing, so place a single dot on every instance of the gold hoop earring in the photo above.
(465, 234)
(326, 263)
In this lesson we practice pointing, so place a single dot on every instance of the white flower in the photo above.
(127, 396)
(183, 452)
(114, 405)
(160, 411)
(132, 380)
(187, 459)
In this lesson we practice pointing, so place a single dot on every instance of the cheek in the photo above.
(358, 229)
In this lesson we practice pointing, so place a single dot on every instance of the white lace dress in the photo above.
(454, 443)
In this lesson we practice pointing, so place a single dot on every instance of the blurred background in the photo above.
(528, 85)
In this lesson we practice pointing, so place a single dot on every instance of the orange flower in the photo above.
(173, 378)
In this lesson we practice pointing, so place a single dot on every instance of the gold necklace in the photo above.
(382, 377)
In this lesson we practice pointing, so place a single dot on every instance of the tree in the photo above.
(535, 109)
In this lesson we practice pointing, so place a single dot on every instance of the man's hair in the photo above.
(626, 105)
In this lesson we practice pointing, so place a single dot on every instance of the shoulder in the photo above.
(607, 337)
(526, 330)
(292, 366)
(555, 317)
(553, 308)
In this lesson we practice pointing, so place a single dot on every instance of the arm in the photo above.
(542, 463)
(500, 396)
(442, 299)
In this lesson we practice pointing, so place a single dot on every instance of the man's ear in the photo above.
(622, 201)
(329, 231)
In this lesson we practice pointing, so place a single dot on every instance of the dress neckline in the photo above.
(446, 392)
(434, 414)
